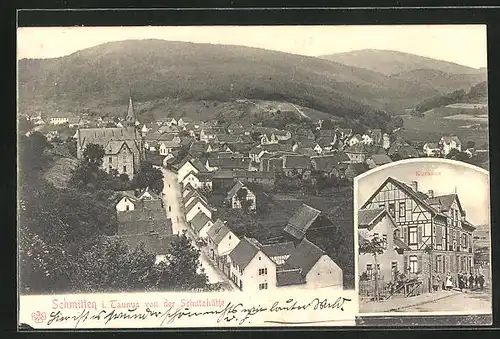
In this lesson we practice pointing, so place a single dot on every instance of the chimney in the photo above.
(414, 186)
(430, 193)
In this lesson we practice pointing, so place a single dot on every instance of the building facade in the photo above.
(435, 229)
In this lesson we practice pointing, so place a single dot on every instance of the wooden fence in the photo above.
(385, 290)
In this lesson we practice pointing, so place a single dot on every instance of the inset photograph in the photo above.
(423, 239)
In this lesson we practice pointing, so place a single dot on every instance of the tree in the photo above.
(455, 154)
(93, 155)
(182, 269)
(149, 177)
(374, 247)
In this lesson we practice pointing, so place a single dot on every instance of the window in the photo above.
(413, 264)
(439, 264)
(262, 271)
(126, 207)
(381, 205)
(375, 235)
(124, 168)
(369, 270)
(384, 240)
(392, 212)
(402, 209)
(263, 286)
(397, 234)
(394, 266)
(110, 159)
(413, 236)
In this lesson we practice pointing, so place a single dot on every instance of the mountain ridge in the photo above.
(102, 76)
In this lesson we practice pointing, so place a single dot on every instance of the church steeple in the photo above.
(130, 119)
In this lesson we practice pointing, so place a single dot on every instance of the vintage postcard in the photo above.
(205, 177)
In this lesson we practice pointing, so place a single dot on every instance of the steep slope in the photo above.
(155, 70)
(394, 62)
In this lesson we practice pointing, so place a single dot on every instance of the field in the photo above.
(467, 124)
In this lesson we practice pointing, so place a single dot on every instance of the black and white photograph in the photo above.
(423, 238)
(222, 158)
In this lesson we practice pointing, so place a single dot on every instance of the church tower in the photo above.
(130, 119)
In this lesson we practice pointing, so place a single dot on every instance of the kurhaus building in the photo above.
(433, 229)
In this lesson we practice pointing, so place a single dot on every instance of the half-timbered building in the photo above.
(435, 228)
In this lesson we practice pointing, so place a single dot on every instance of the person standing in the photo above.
(481, 282)
(449, 284)
(471, 281)
(476, 281)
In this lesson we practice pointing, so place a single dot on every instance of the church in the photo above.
(123, 146)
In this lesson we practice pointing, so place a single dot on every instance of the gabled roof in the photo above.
(417, 196)
(195, 162)
(243, 253)
(368, 217)
(194, 193)
(449, 139)
(188, 186)
(380, 159)
(143, 194)
(195, 201)
(218, 231)
(279, 249)
(199, 221)
(305, 256)
(444, 201)
(234, 190)
(431, 145)
(301, 221)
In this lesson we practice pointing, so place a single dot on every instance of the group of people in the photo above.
(463, 281)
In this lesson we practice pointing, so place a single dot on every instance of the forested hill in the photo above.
(101, 78)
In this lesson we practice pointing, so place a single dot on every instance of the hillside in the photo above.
(394, 62)
(165, 75)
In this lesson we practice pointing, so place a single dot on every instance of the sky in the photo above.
(462, 44)
(472, 185)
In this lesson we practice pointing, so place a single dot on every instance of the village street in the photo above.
(441, 301)
(172, 198)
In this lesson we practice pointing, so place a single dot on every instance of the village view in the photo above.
(119, 204)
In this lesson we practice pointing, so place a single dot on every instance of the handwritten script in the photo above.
(232, 313)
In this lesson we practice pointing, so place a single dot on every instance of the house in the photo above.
(171, 122)
(200, 225)
(227, 139)
(297, 165)
(221, 241)
(376, 136)
(241, 196)
(207, 134)
(198, 180)
(271, 163)
(376, 160)
(377, 223)
(250, 268)
(355, 139)
(144, 214)
(59, 120)
(431, 149)
(386, 141)
(356, 153)
(187, 189)
(213, 164)
(123, 147)
(366, 139)
(168, 143)
(193, 194)
(278, 252)
(306, 221)
(343, 133)
(449, 143)
(183, 121)
(310, 268)
(330, 164)
(195, 206)
(427, 222)
(188, 165)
